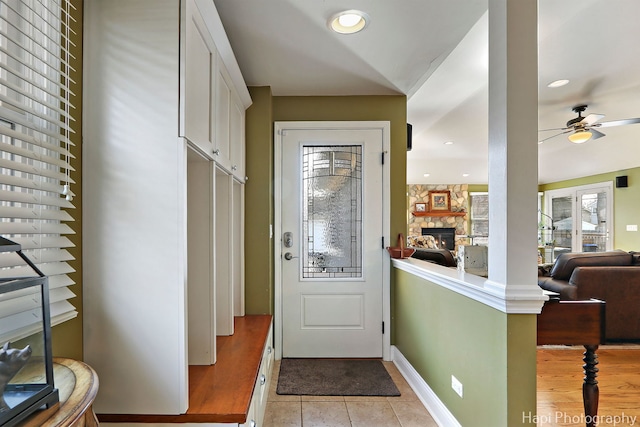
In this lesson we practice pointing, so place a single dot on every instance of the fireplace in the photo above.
(445, 237)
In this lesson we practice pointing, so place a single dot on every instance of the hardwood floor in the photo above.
(560, 386)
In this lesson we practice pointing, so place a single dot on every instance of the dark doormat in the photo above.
(335, 377)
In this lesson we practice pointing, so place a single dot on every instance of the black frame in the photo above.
(43, 394)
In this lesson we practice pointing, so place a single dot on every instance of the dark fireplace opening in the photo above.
(445, 237)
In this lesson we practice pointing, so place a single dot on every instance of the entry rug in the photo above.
(335, 377)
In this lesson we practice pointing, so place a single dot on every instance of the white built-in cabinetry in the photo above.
(255, 415)
(163, 197)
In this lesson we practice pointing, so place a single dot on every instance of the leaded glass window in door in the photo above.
(332, 212)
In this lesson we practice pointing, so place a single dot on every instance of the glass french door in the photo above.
(593, 231)
(581, 219)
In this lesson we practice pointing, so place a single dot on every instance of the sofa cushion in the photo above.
(566, 262)
(635, 258)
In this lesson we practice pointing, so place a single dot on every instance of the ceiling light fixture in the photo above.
(348, 21)
(465, 175)
(558, 83)
(448, 143)
(580, 136)
(426, 175)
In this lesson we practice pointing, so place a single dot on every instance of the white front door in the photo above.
(331, 254)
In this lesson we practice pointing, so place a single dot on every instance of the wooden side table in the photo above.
(579, 323)
(77, 385)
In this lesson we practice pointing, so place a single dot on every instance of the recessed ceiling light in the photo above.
(558, 83)
(426, 175)
(465, 175)
(349, 21)
(448, 143)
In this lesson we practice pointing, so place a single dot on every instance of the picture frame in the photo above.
(420, 207)
(439, 200)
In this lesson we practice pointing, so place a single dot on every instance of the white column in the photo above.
(513, 153)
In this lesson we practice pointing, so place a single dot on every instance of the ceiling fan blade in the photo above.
(595, 134)
(553, 136)
(618, 122)
(591, 118)
(545, 130)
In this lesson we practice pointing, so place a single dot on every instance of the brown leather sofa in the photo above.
(612, 276)
(438, 256)
(427, 250)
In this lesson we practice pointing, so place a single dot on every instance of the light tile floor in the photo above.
(405, 410)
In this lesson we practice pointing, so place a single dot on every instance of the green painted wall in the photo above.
(478, 188)
(259, 203)
(267, 109)
(493, 354)
(626, 204)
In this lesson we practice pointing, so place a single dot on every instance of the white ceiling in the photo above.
(435, 52)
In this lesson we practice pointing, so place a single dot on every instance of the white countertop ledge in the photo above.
(522, 300)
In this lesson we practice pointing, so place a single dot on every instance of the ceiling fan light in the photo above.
(580, 136)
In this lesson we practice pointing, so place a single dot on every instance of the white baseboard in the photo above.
(429, 399)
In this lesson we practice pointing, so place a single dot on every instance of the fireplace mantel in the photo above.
(439, 213)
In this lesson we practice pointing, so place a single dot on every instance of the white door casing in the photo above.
(335, 316)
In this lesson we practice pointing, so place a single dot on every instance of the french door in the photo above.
(582, 218)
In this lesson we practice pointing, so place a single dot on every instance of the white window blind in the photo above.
(480, 218)
(35, 125)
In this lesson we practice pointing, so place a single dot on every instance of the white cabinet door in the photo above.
(230, 121)
(223, 99)
(198, 112)
(236, 133)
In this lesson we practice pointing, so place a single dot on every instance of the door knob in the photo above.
(288, 256)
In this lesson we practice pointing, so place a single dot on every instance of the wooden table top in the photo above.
(77, 385)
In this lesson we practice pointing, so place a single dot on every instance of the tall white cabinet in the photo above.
(163, 161)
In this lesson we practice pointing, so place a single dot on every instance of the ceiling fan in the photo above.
(582, 129)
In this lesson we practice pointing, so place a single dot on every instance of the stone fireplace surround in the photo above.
(419, 193)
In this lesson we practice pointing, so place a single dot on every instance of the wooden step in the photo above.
(219, 393)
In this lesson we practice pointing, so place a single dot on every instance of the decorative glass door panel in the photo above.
(332, 212)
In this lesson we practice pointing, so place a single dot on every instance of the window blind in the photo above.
(480, 218)
(36, 121)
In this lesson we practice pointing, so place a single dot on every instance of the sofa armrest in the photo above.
(602, 281)
(619, 287)
(566, 290)
(437, 256)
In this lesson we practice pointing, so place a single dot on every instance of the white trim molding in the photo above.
(510, 299)
(437, 409)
